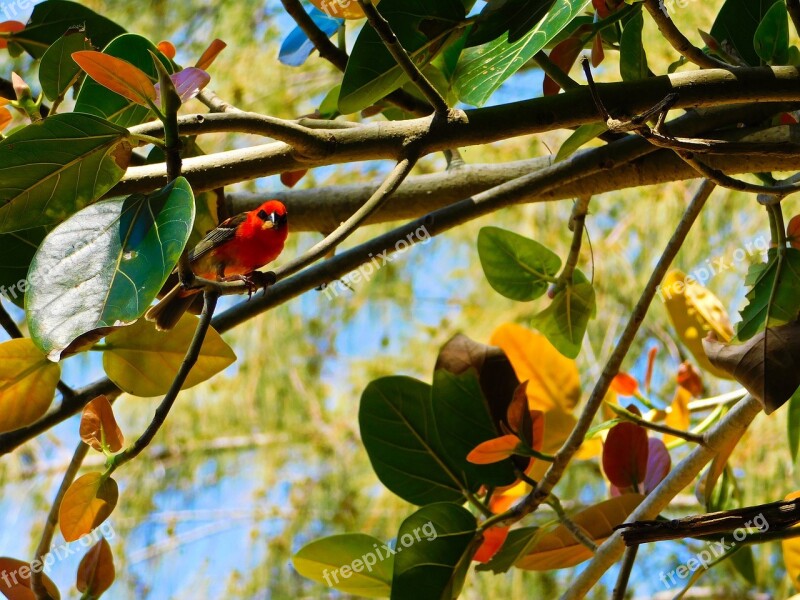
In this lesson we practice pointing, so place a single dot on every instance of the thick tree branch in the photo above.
(681, 476)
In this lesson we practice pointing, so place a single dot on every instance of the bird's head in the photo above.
(272, 215)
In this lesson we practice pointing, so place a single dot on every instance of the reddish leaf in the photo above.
(98, 424)
(658, 464)
(624, 385)
(117, 75)
(210, 54)
(625, 455)
(564, 56)
(689, 379)
(167, 48)
(15, 580)
(494, 450)
(598, 53)
(793, 232)
(290, 178)
(493, 540)
(788, 119)
(96, 572)
(601, 8)
(9, 27)
(651, 361)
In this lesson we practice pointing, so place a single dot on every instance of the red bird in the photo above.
(234, 249)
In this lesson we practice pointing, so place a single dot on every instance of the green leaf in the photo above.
(784, 275)
(793, 424)
(52, 168)
(462, 422)
(518, 543)
(399, 433)
(564, 321)
(736, 24)
(16, 253)
(515, 266)
(421, 27)
(144, 362)
(433, 565)
(104, 266)
(771, 41)
(582, 135)
(57, 71)
(512, 17)
(632, 59)
(369, 564)
(51, 19)
(96, 99)
(483, 69)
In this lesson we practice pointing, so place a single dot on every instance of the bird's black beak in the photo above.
(278, 221)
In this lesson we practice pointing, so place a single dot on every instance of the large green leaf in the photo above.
(515, 266)
(483, 69)
(104, 266)
(353, 563)
(736, 25)
(462, 422)
(57, 70)
(564, 322)
(434, 549)
(768, 306)
(55, 167)
(399, 433)
(421, 27)
(16, 253)
(632, 57)
(95, 99)
(771, 40)
(512, 17)
(51, 19)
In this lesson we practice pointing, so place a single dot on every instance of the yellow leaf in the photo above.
(678, 416)
(16, 582)
(86, 504)
(96, 572)
(27, 383)
(559, 549)
(553, 379)
(143, 361)
(695, 312)
(98, 425)
(341, 9)
(791, 552)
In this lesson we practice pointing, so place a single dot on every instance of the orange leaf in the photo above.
(88, 502)
(598, 53)
(563, 55)
(9, 27)
(678, 416)
(98, 424)
(493, 540)
(290, 178)
(559, 549)
(625, 454)
(651, 361)
(494, 450)
(624, 385)
(793, 232)
(96, 572)
(15, 582)
(117, 75)
(503, 500)
(5, 117)
(167, 48)
(210, 54)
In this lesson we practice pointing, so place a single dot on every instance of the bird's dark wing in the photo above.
(224, 232)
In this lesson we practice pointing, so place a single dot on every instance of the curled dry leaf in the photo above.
(98, 425)
(767, 365)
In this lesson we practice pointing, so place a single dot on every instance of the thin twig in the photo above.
(338, 58)
(37, 577)
(658, 11)
(192, 353)
(678, 433)
(336, 237)
(577, 224)
(400, 55)
(624, 573)
(215, 103)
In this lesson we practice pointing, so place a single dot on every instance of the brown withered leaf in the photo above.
(96, 572)
(767, 365)
(97, 423)
(496, 375)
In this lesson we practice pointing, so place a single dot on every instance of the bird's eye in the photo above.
(262, 214)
